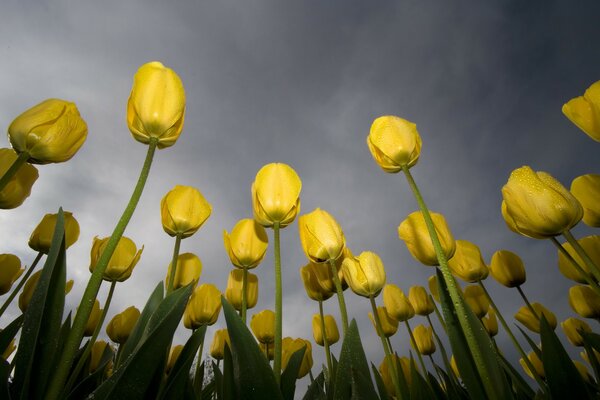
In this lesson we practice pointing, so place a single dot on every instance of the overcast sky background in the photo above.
(300, 83)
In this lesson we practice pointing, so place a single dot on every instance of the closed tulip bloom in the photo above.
(93, 319)
(96, 354)
(591, 245)
(204, 306)
(321, 236)
(434, 288)
(507, 268)
(289, 347)
(233, 293)
(424, 339)
(584, 111)
(467, 263)
(365, 274)
(189, 269)
(183, 210)
(490, 323)
(536, 363)
(584, 301)
(69, 286)
(389, 325)
(420, 300)
(156, 106)
(247, 244)
(530, 321)
(384, 369)
(586, 189)
(121, 263)
(263, 326)
(121, 325)
(217, 347)
(332, 333)
(19, 186)
(41, 237)
(50, 132)
(28, 289)
(394, 142)
(276, 195)
(573, 327)
(173, 356)
(10, 271)
(537, 205)
(477, 300)
(318, 285)
(397, 304)
(413, 231)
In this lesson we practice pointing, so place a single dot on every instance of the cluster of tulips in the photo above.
(53, 360)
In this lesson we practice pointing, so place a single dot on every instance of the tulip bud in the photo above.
(121, 263)
(394, 142)
(41, 237)
(389, 325)
(121, 325)
(156, 106)
(10, 271)
(396, 303)
(173, 356)
(331, 330)
(183, 210)
(584, 301)
(536, 363)
(290, 346)
(413, 231)
(467, 263)
(317, 282)
(217, 347)
(584, 111)
(434, 288)
(247, 244)
(490, 323)
(402, 364)
(276, 195)
(233, 293)
(321, 236)
(19, 186)
(424, 339)
(203, 307)
(591, 245)
(420, 300)
(507, 268)
(263, 326)
(586, 189)
(531, 321)
(98, 349)
(93, 320)
(69, 286)
(365, 274)
(50, 132)
(28, 289)
(189, 268)
(268, 350)
(573, 327)
(537, 205)
(477, 300)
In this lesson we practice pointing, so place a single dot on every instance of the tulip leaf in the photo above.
(315, 390)
(257, 382)
(91, 382)
(9, 333)
(218, 379)
(435, 387)
(39, 340)
(591, 341)
(143, 367)
(228, 388)
(383, 395)
(4, 378)
(199, 377)
(290, 374)
(518, 383)
(360, 386)
(419, 388)
(532, 344)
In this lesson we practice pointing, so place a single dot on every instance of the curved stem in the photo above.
(278, 305)
(13, 169)
(594, 269)
(173, 273)
(91, 291)
(325, 341)
(244, 294)
(340, 295)
(21, 283)
(588, 278)
(526, 300)
(414, 346)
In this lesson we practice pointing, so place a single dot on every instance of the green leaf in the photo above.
(228, 389)
(91, 382)
(419, 388)
(199, 378)
(218, 380)
(360, 386)
(383, 395)
(257, 382)
(9, 333)
(290, 374)
(4, 375)
(435, 387)
(42, 321)
(315, 390)
(518, 383)
(532, 344)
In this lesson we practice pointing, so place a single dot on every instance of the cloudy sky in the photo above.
(300, 83)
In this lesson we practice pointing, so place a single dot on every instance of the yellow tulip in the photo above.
(183, 210)
(189, 268)
(490, 323)
(41, 237)
(121, 263)
(156, 106)
(290, 346)
(389, 325)
(420, 300)
(415, 235)
(96, 354)
(573, 327)
(536, 363)
(321, 236)
(424, 339)
(10, 271)
(477, 300)
(233, 293)
(586, 189)
(404, 365)
(467, 263)
(204, 306)
(217, 347)
(394, 142)
(120, 326)
(69, 286)
(93, 320)
(28, 289)
(537, 205)
(317, 281)
(276, 195)
(583, 371)
(584, 301)
(530, 321)
(263, 326)
(173, 356)
(434, 287)
(584, 111)
(50, 132)
(247, 244)
(365, 274)
(9, 350)
(591, 245)
(507, 268)
(332, 334)
(19, 186)
(396, 303)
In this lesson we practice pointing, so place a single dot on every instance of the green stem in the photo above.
(584, 256)
(588, 278)
(21, 283)
(278, 305)
(173, 273)
(91, 291)
(197, 380)
(526, 300)
(13, 169)
(325, 341)
(416, 348)
(244, 294)
(340, 295)
(440, 345)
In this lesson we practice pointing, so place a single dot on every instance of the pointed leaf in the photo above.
(517, 379)
(315, 390)
(9, 333)
(228, 390)
(532, 344)
(90, 382)
(290, 374)
(383, 395)
(419, 388)
(360, 386)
